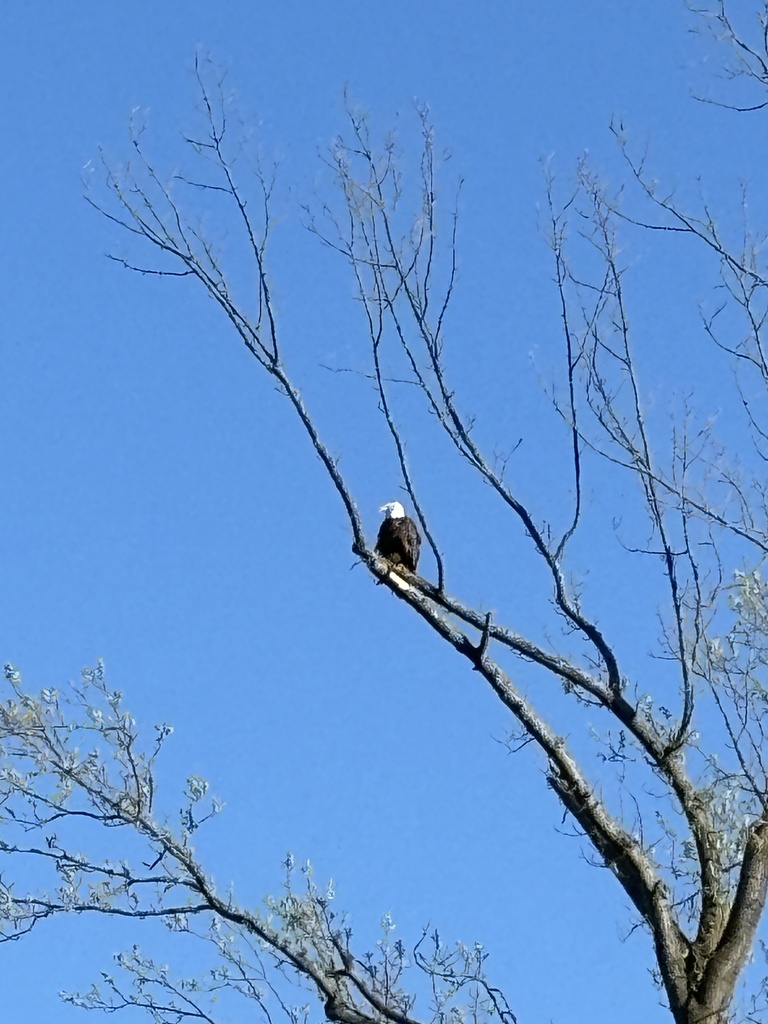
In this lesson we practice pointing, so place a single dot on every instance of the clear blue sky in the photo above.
(162, 511)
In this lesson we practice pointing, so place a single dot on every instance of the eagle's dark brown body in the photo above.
(398, 541)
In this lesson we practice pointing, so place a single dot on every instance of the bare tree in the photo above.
(692, 859)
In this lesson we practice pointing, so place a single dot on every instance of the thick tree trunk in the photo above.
(702, 992)
(696, 1013)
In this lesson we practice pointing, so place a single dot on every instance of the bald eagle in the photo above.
(398, 539)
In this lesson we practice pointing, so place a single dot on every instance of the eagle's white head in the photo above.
(393, 510)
